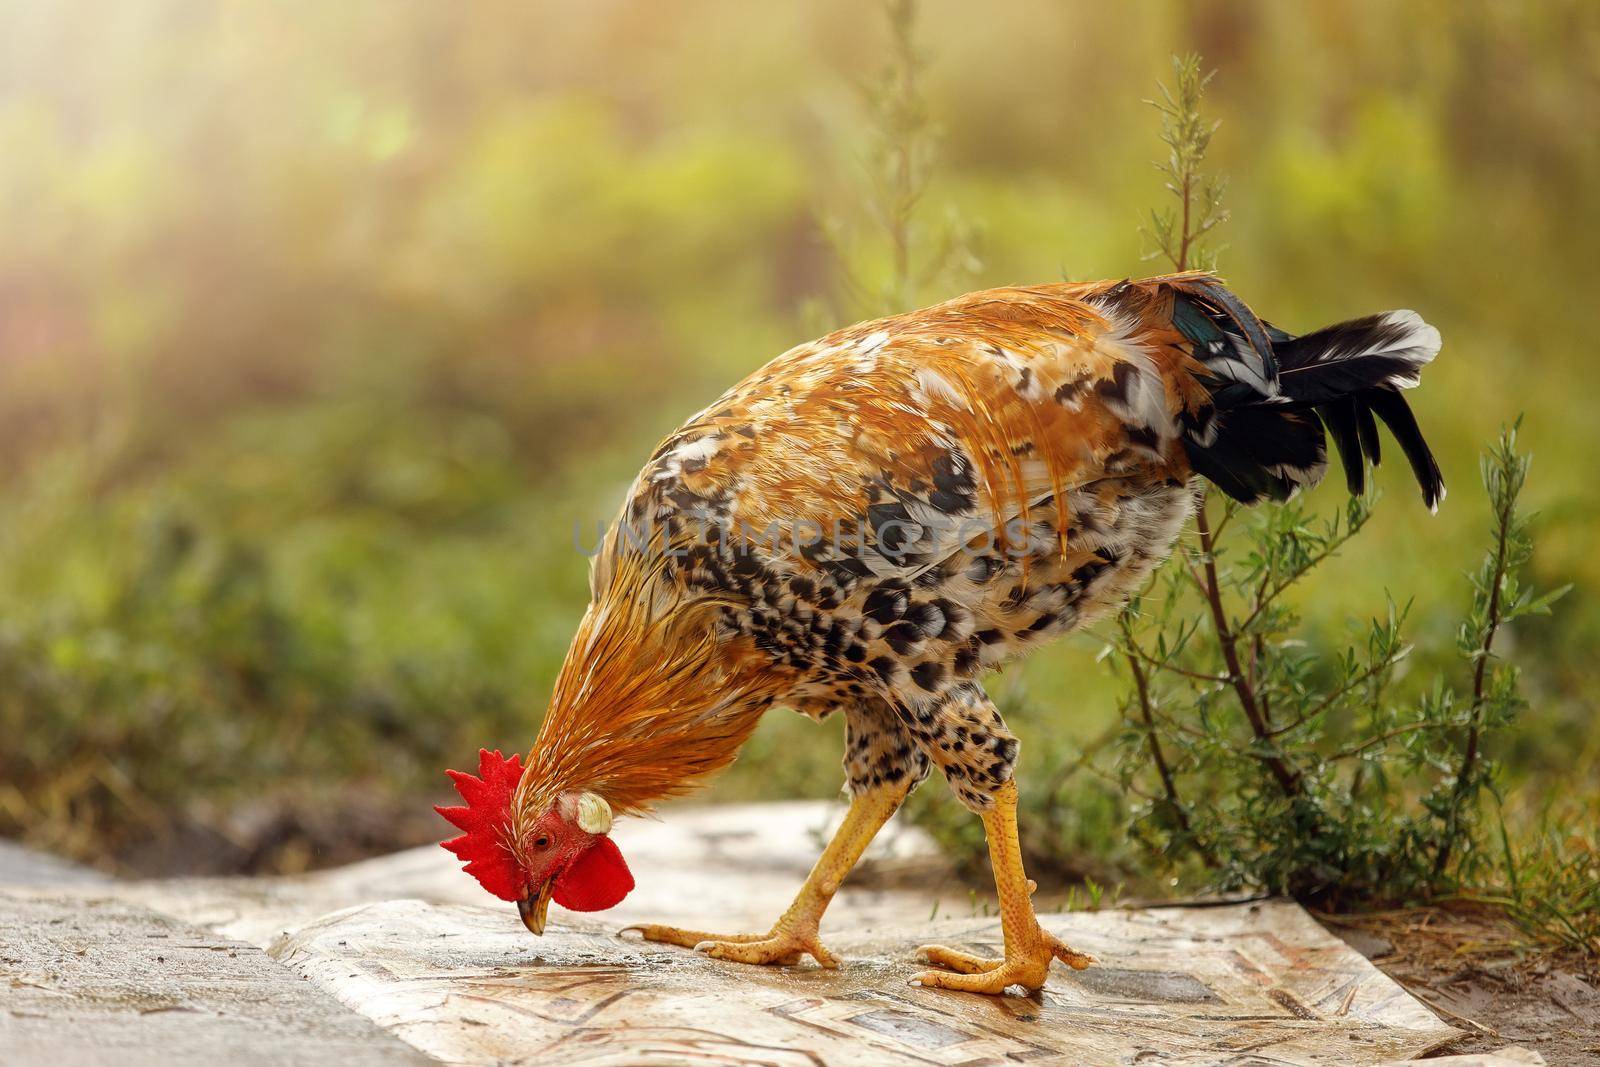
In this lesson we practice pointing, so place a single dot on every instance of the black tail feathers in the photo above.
(1266, 436)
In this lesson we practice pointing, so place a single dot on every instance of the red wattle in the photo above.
(598, 879)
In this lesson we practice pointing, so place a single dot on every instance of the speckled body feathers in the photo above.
(872, 520)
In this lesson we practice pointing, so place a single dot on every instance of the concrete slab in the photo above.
(407, 942)
(1201, 987)
(100, 983)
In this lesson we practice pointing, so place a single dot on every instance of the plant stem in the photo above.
(1469, 757)
(905, 120)
(1172, 668)
(1339, 693)
(1188, 238)
(1147, 713)
(1266, 596)
(1287, 777)
(1387, 735)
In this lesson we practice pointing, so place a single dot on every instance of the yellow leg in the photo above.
(1029, 948)
(795, 933)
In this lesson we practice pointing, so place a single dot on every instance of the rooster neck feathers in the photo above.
(649, 701)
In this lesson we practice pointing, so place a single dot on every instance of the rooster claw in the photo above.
(1026, 966)
(673, 935)
(780, 946)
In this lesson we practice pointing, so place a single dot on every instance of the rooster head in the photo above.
(563, 853)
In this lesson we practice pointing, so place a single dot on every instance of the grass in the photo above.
(1551, 886)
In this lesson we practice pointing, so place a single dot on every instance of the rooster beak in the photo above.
(533, 908)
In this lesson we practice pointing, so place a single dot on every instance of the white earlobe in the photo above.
(594, 814)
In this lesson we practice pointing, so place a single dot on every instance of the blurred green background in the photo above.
(322, 325)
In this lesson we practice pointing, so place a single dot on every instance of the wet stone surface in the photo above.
(1259, 984)
(398, 960)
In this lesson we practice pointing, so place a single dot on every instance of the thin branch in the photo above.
(1173, 668)
(1504, 516)
(1228, 513)
(1147, 712)
(1342, 691)
(1262, 601)
(1287, 777)
(1389, 735)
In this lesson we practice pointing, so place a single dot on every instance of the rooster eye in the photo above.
(541, 842)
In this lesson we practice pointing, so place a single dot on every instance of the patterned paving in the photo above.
(1250, 985)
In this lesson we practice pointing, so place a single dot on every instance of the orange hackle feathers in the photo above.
(648, 701)
(485, 822)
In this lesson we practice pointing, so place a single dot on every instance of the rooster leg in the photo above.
(795, 934)
(1029, 948)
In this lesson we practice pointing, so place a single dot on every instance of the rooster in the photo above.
(870, 523)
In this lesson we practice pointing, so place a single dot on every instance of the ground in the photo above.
(1479, 972)
(338, 965)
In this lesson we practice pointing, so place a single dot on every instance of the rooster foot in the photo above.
(1026, 965)
(780, 946)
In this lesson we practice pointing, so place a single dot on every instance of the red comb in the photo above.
(485, 820)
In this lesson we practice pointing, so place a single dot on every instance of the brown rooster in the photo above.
(871, 522)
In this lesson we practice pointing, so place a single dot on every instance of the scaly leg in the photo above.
(795, 933)
(1029, 948)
